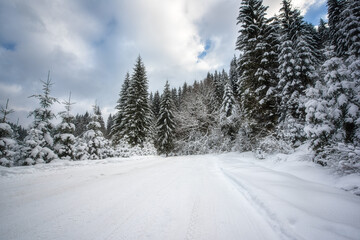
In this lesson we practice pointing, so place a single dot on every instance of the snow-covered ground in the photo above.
(227, 196)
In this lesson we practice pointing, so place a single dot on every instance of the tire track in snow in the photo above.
(260, 207)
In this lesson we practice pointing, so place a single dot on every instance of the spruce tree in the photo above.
(96, 145)
(166, 123)
(120, 122)
(229, 112)
(298, 60)
(8, 145)
(257, 66)
(137, 113)
(38, 145)
(155, 106)
(109, 124)
(64, 139)
(234, 76)
(348, 41)
(335, 9)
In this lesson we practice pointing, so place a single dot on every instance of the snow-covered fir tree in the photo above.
(38, 145)
(257, 67)
(97, 147)
(166, 123)
(109, 124)
(298, 61)
(333, 114)
(9, 148)
(120, 123)
(234, 76)
(137, 113)
(64, 138)
(229, 112)
(155, 105)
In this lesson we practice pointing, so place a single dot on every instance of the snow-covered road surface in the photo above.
(229, 196)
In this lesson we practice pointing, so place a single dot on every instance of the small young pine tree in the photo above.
(8, 144)
(38, 145)
(64, 139)
(97, 145)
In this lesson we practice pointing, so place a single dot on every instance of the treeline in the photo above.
(291, 83)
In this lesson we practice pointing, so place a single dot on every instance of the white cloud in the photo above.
(10, 89)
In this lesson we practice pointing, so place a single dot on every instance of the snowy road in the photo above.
(229, 196)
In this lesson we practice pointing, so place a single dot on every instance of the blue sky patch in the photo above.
(206, 49)
(11, 46)
(314, 14)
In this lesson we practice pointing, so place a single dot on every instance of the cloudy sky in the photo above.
(89, 45)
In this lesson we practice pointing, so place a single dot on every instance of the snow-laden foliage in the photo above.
(38, 145)
(9, 148)
(93, 141)
(64, 138)
(120, 122)
(229, 112)
(166, 123)
(137, 113)
(257, 66)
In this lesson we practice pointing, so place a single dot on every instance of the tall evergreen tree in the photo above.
(137, 111)
(257, 66)
(298, 61)
(109, 124)
(229, 112)
(166, 123)
(335, 9)
(155, 105)
(120, 122)
(348, 41)
(234, 76)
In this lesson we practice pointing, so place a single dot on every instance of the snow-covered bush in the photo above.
(197, 143)
(124, 149)
(343, 157)
(271, 144)
(9, 148)
(81, 149)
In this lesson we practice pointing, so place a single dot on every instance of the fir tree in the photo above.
(96, 145)
(298, 61)
(257, 66)
(39, 143)
(8, 145)
(64, 139)
(137, 111)
(229, 112)
(155, 106)
(121, 123)
(166, 123)
(348, 41)
(234, 76)
(109, 124)
(335, 9)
